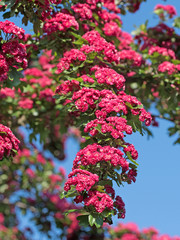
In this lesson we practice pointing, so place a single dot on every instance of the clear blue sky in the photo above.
(154, 200)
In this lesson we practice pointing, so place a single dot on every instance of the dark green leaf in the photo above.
(83, 220)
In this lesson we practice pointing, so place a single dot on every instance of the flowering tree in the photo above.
(79, 74)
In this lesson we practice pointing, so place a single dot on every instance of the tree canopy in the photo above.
(80, 74)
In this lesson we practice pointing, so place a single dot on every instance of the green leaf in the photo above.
(71, 193)
(10, 3)
(99, 221)
(70, 211)
(14, 78)
(130, 158)
(56, 96)
(2, 3)
(100, 188)
(91, 220)
(177, 22)
(106, 182)
(83, 220)
(98, 127)
(80, 41)
(7, 15)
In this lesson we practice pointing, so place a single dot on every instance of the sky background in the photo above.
(154, 200)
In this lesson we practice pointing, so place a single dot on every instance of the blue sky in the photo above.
(154, 200)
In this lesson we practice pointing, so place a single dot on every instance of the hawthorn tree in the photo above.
(79, 74)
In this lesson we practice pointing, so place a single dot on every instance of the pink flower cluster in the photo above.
(111, 6)
(85, 98)
(162, 51)
(109, 103)
(4, 68)
(25, 103)
(119, 204)
(110, 77)
(35, 75)
(100, 45)
(168, 67)
(69, 57)
(47, 94)
(87, 79)
(11, 30)
(171, 11)
(83, 10)
(15, 53)
(93, 154)
(143, 114)
(111, 29)
(99, 200)
(94, 167)
(68, 86)
(7, 92)
(130, 148)
(12, 53)
(60, 22)
(84, 180)
(9, 144)
(113, 125)
(125, 40)
(130, 231)
(132, 56)
(108, 16)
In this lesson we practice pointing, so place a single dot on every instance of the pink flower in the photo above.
(83, 181)
(60, 22)
(168, 67)
(55, 178)
(30, 172)
(41, 159)
(8, 142)
(100, 201)
(162, 51)
(25, 103)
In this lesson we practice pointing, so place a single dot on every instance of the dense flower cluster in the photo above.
(99, 200)
(112, 29)
(83, 9)
(171, 11)
(108, 109)
(130, 231)
(130, 148)
(168, 67)
(110, 77)
(83, 180)
(16, 53)
(113, 125)
(9, 144)
(93, 154)
(85, 98)
(119, 204)
(11, 30)
(12, 53)
(69, 57)
(60, 22)
(125, 40)
(25, 103)
(162, 51)
(68, 86)
(130, 55)
(100, 45)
